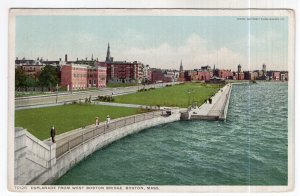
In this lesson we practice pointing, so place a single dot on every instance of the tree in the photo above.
(20, 77)
(48, 76)
(30, 81)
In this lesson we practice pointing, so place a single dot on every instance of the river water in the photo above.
(249, 148)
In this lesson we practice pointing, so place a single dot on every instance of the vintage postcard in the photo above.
(151, 100)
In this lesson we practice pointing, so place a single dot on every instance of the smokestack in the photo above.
(66, 58)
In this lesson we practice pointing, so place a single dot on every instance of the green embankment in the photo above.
(67, 117)
(178, 95)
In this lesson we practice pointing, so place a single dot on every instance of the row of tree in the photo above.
(49, 77)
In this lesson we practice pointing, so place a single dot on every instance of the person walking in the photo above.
(107, 120)
(97, 121)
(52, 133)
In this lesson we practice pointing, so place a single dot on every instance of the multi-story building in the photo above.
(30, 67)
(80, 76)
(249, 75)
(203, 75)
(187, 75)
(171, 75)
(286, 75)
(123, 71)
(181, 77)
(224, 74)
(209, 69)
(157, 75)
(276, 75)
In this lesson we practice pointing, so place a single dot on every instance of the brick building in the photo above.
(79, 76)
(203, 75)
(181, 77)
(224, 74)
(123, 71)
(157, 75)
(276, 75)
(209, 69)
(30, 67)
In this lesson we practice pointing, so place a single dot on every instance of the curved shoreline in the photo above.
(42, 162)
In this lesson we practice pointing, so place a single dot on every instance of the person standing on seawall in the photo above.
(52, 133)
(107, 120)
(97, 121)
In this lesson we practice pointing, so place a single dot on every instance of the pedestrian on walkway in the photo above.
(97, 121)
(107, 120)
(52, 133)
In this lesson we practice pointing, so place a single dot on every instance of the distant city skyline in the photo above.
(159, 41)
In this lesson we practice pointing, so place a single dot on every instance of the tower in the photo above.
(239, 68)
(181, 67)
(108, 57)
(214, 70)
(264, 68)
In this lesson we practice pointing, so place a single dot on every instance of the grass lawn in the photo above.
(172, 96)
(38, 121)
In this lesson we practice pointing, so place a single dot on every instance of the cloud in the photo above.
(194, 53)
(265, 38)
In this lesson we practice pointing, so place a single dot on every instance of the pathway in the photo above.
(216, 109)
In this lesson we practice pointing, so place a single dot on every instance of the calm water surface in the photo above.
(250, 148)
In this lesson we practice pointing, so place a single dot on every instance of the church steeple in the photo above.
(108, 57)
(181, 67)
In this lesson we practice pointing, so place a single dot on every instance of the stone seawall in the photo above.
(32, 157)
(223, 115)
(55, 168)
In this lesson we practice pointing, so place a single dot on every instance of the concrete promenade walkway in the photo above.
(216, 110)
(90, 130)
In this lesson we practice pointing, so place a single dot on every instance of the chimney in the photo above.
(66, 58)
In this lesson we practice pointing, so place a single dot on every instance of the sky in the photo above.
(159, 41)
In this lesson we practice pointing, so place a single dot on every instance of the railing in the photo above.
(72, 141)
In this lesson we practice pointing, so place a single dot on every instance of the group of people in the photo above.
(97, 123)
(53, 132)
(208, 101)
